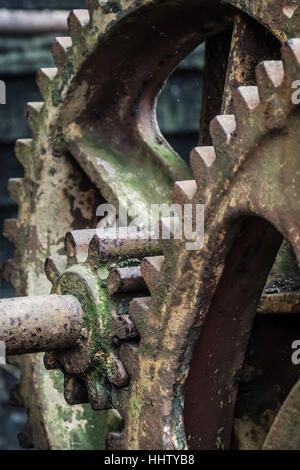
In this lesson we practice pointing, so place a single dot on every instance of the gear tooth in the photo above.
(128, 353)
(77, 245)
(61, 49)
(120, 400)
(245, 100)
(150, 269)
(10, 229)
(168, 231)
(269, 77)
(139, 311)
(23, 150)
(290, 52)
(116, 371)
(16, 398)
(221, 129)
(54, 267)
(78, 20)
(211, 176)
(45, 79)
(114, 441)
(32, 114)
(16, 189)
(107, 245)
(184, 192)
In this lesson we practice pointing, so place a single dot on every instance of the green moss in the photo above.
(171, 158)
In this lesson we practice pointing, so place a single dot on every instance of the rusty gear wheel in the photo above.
(95, 137)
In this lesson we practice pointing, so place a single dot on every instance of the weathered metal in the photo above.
(93, 258)
(44, 323)
(110, 129)
(71, 199)
(14, 22)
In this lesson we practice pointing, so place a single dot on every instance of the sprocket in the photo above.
(185, 392)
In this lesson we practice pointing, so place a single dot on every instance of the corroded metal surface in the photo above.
(54, 181)
(44, 323)
(282, 18)
(101, 356)
(207, 296)
(285, 430)
(280, 303)
(31, 22)
(94, 367)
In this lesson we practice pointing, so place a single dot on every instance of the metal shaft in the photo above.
(18, 22)
(43, 323)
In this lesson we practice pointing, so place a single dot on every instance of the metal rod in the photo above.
(43, 323)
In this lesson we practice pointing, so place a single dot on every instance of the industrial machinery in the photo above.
(151, 345)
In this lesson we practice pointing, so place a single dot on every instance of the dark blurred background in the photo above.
(23, 50)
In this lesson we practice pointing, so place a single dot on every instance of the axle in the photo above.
(43, 323)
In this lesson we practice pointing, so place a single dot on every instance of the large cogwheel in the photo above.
(95, 138)
(195, 327)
